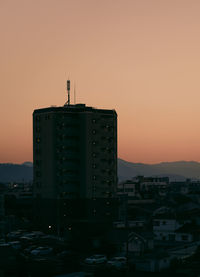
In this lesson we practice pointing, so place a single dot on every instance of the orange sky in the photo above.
(140, 57)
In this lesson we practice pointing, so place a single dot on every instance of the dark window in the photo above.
(38, 185)
(184, 237)
(38, 151)
(37, 162)
(38, 174)
(107, 116)
(172, 237)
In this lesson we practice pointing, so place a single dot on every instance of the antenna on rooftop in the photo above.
(68, 92)
(74, 93)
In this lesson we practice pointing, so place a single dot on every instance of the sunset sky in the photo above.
(140, 57)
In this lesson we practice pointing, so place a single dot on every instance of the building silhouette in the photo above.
(75, 165)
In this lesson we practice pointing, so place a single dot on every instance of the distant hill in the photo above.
(175, 170)
(126, 170)
(16, 172)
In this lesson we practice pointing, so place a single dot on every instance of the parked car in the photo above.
(34, 234)
(14, 235)
(42, 251)
(96, 259)
(27, 251)
(15, 244)
(117, 262)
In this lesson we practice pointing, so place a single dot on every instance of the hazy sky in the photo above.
(140, 57)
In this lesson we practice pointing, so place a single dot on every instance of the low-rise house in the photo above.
(165, 224)
(144, 187)
(138, 243)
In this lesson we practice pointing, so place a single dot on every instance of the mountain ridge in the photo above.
(178, 170)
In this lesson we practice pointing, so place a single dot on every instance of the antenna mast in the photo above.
(74, 93)
(68, 92)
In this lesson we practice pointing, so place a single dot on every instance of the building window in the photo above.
(38, 140)
(38, 151)
(94, 132)
(37, 162)
(184, 237)
(38, 185)
(38, 174)
(172, 237)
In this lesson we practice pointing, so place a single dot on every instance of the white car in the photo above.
(117, 262)
(96, 259)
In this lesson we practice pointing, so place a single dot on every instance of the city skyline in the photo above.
(140, 58)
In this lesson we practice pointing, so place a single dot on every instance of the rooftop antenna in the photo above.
(68, 92)
(74, 93)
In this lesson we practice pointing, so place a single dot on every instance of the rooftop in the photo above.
(73, 108)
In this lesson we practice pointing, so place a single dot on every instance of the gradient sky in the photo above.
(140, 57)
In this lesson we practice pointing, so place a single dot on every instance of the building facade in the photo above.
(75, 159)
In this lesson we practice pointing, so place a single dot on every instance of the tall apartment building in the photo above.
(75, 157)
